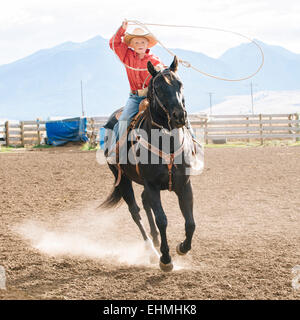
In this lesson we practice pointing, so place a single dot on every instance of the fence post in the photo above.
(205, 131)
(38, 131)
(261, 129)
(22, 134)
(297, 125)
(247, 118)
(7, 133)
(290, 117)
(93, 136)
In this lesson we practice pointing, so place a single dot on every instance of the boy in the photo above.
(134, 52)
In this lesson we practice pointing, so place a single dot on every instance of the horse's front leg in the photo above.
(153, 194)
(185, 197)
(153, 230)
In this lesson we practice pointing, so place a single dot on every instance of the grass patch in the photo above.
(242, 144)
(15, 148)
(42, 146)
(88, 147)
(6, 149)
(294, 144)
(233, 145)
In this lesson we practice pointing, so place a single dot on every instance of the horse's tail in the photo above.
(113, 199)
(115, 196)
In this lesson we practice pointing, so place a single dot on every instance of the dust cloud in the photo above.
(90, 233)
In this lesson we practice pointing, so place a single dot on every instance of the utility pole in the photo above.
(210, 101)
(82, 108)
(251, 86)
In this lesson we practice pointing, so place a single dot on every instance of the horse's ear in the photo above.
(151, 69)
(174, 65)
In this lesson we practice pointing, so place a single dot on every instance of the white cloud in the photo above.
(29, 25)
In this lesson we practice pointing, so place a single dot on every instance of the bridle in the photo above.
(139, 119)
(167, 157)
(155, 97)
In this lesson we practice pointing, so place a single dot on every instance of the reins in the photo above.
(138, 120)
(155, 97)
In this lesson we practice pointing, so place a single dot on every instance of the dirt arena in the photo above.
(55, 244)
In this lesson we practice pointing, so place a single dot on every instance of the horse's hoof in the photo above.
(166, 267)
(179, 251)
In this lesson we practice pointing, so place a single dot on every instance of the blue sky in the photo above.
(30, 25)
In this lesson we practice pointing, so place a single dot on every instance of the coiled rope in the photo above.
(187, 64)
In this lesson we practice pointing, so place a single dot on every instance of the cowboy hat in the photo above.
(138, 32)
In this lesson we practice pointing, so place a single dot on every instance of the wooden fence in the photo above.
(212, 128)
(233, 127)
(22, 133)
(257, 127)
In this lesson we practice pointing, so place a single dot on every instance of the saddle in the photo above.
(191, 146)
(142, 107)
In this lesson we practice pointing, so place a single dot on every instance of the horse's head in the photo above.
(166, 94)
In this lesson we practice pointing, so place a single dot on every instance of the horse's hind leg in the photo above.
(185, 197)
(128, 195)
(153, 230)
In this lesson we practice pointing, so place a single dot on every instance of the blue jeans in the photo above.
(130, 110)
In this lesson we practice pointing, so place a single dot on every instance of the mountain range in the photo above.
(265, 102)
(48, 82)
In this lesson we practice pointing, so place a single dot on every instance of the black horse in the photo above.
(166, 112)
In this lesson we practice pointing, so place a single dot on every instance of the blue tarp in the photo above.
(62, 131)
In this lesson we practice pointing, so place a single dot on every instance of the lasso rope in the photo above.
(186, 63)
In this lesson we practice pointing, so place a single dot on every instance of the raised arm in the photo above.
(116, 41)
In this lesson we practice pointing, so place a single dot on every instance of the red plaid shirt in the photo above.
(131, 58)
